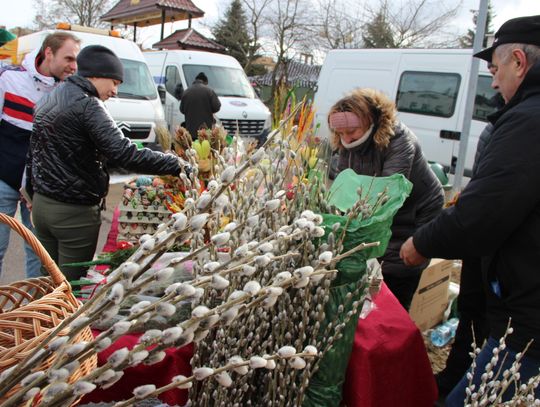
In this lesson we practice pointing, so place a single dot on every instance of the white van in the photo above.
(241, 109)
(429, 87)
(138, 109)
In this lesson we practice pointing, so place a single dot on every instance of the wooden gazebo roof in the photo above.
(143, 13)
(189, 38)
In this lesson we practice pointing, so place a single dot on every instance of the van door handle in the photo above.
(450, 135)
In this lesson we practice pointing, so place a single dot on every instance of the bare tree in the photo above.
(339, 24)
(46, 14)
(255, 16)
(289, 23)
(83, 12)
(88, 12)
(413, 23)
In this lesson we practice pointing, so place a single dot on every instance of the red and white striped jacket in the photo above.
(21, 86)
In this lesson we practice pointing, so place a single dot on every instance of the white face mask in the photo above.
(361, 140)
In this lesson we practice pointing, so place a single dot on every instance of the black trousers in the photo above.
(402, 280)
(471, 305)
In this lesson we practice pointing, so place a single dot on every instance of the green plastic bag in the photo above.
(325, 387)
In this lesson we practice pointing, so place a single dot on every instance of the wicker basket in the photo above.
(31, 309)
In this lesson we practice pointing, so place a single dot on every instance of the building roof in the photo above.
(149, 12)
(189, 38)
(298, 74)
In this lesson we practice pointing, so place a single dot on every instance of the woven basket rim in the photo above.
(42, 305)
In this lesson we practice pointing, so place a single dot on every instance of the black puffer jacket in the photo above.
(72, 138)
(497, 217)
(403, 155)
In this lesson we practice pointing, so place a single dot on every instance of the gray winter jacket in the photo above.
(402, 155)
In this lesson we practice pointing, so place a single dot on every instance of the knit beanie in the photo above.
(97, 61)
(202, 77)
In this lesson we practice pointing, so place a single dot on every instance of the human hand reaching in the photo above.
(409, 254)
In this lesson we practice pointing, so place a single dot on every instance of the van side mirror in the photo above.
(162, 92)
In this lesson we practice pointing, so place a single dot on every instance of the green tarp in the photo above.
(326, 385)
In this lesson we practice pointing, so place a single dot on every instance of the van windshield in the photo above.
(138, 83)
(224, 81)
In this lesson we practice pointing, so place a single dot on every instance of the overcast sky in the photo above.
(21, 13)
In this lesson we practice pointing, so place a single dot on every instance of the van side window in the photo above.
(172, 78)
(487, 99)
(428, 93)
(226, 81)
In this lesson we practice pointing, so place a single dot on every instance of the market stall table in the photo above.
(389, 365)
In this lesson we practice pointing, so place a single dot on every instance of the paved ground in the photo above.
(13, 267)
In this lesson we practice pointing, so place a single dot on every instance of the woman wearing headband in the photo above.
(372, 141)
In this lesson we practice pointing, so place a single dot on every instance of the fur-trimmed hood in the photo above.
(373, 104)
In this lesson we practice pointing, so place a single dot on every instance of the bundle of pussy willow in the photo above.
(257, 318)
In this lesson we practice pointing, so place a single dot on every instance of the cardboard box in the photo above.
(431, 297)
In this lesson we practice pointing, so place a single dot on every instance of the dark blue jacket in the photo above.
(498, 218)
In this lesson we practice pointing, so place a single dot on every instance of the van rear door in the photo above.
(429, 98)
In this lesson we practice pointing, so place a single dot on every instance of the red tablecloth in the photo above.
(110, 245)
(175, 363)
(389, 365)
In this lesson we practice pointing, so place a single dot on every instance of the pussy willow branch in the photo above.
(15, 375)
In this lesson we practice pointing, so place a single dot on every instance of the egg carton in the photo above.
(130, 235)
(145, 217)
(124, 209)
(130, 229)
(146, 214)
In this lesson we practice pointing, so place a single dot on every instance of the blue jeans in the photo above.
(529, 368)
(9, 199)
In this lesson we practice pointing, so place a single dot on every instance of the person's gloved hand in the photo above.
(186, 167)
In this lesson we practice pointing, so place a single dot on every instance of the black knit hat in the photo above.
(202, 77)
(97, 61)
(521, 30)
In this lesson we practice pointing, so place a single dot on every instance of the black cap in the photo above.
(521, 30)
(97, 61)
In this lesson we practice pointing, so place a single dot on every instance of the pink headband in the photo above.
(341, 120)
